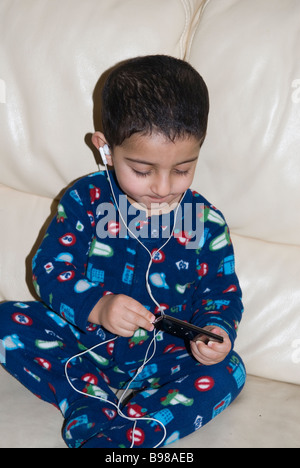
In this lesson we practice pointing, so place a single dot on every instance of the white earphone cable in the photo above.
(153, 341)
(120, 412)
(135, 237)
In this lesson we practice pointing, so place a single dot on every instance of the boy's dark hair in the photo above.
(154, 93)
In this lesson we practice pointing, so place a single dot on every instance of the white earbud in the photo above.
(104, 150)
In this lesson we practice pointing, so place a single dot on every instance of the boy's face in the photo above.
(151, 169)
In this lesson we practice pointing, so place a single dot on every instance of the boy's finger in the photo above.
(140, 310)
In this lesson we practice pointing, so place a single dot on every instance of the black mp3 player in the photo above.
(185, 330)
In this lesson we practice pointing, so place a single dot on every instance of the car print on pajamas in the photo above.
(76, 422)
(175, 398)
(138, 338)
(12, 342)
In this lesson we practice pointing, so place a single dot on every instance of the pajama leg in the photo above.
(193, 399)
(183, 404)
(35, 345)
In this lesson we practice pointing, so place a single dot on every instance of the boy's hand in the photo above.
(213, 352)
(121, 315)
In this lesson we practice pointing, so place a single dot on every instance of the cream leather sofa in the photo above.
(53, 53)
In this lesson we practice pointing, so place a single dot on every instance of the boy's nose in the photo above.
(162, 187)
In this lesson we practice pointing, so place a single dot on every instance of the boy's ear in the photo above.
(98, 139)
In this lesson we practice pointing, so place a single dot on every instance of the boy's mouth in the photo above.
(159, 199)
(169, 199)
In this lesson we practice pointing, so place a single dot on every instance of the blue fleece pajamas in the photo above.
(86, 254)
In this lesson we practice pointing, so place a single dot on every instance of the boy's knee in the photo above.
(6, 310)
(13, 313)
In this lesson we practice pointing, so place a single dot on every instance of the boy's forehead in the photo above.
(140, 144)
(144, 139)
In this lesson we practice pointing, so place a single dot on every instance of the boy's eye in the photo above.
(147, 173)
(181, 172)
(141, 174)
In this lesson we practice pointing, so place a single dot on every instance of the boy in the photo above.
(100, 283)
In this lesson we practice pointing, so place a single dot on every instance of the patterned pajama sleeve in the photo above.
(60, 264)
(218, 298)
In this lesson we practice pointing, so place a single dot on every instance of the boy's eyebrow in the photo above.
(148, 163)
